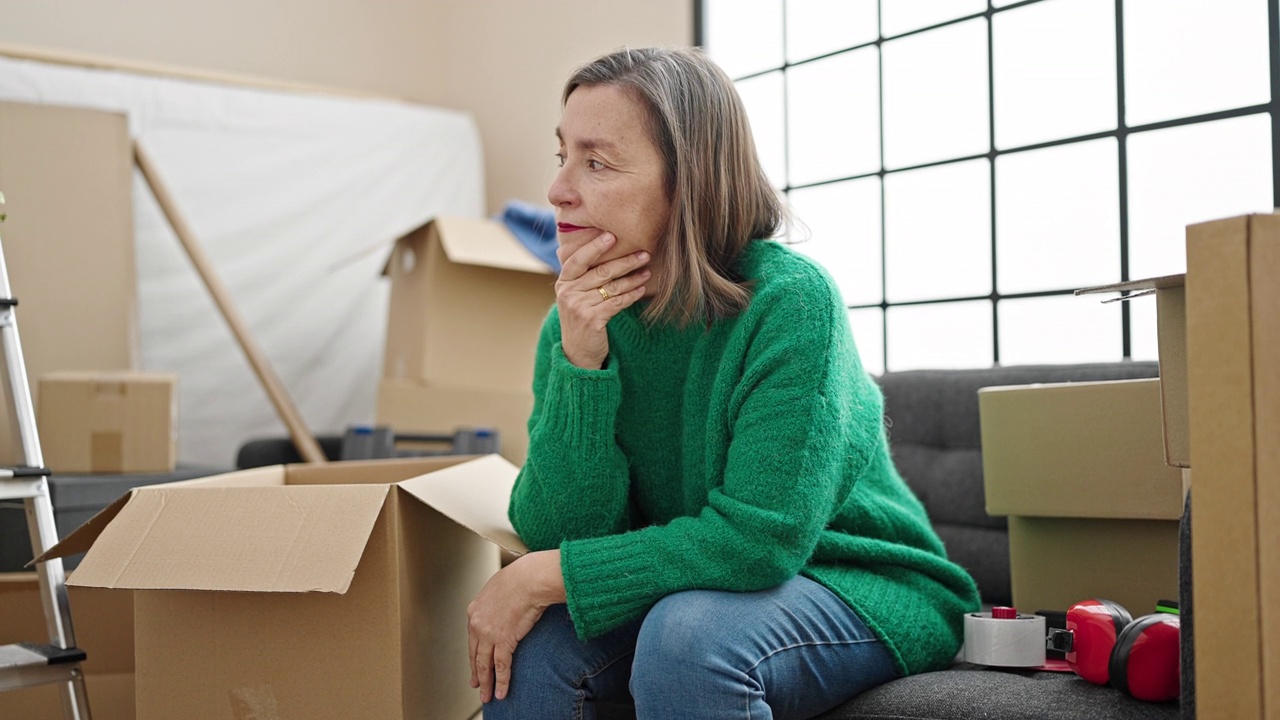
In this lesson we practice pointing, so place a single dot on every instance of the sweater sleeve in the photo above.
(804, 421)
(575, 482)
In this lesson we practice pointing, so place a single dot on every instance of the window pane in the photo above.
(1059, 329)
(1143, 335)
(938, 232)
(868, 336)
(906, 15)
(1187, 57)
(762, 96)
(941, 335)
(817, 27)
(1055, 71)
(843, 220)
(935, 95)
(834, 117)
(1058, 217)
(744, 36)
(1189, 174)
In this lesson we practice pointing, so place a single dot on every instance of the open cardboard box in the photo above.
(1171, 326)
(467, 303)
(304, 591)
(1093, 510)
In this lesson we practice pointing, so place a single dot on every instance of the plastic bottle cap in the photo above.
(1004, 613)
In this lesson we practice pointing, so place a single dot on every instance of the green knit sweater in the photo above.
(733, 457)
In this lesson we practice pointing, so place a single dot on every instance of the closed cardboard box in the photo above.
(467, 302)
(1093, 509)
(108, 422)
(327, 591)
(1233, 363)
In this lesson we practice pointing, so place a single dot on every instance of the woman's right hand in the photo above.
(588, 295)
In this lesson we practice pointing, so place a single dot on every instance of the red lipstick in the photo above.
(568, 227)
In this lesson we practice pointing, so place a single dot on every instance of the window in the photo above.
(961, 166)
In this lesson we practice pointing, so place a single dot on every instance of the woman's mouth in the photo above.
(569, 227)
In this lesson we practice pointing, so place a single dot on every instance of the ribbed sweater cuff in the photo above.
(580, 405)
(608, 581)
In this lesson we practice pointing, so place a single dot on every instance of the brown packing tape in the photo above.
(106, 452)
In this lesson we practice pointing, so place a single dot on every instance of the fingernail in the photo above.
(607, 238)
(642, 256)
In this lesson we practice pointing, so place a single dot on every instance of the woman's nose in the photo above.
(561, 192)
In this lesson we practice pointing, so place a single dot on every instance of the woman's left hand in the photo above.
(504, 612)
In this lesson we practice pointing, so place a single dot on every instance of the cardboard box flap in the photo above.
(471, 241)
(83, 537)
(473, 494)
(251, 539)
(1134, 286)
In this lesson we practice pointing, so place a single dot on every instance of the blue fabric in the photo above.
(535, 228)
(794, 651)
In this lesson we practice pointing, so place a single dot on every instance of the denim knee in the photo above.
(684, 634)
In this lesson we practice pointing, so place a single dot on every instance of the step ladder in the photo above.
(58, 661)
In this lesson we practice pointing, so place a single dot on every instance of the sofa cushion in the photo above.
(972, 691)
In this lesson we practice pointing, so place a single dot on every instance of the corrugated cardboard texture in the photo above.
(108, 422)
(68, 241)
(110, 698)
(468, 320)
(1077, 450)
(1264, 284)
(200, 655)
(1171, 314)
(1056, 562)
(468, 498)
(1220, 405)
(410, 407)
(284, 539)
(103, 620)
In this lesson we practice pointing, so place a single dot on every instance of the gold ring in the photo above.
(603, 293)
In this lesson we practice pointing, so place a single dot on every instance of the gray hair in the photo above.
(720, 196)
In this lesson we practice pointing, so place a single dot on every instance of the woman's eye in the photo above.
(560, 159)
(595, 164)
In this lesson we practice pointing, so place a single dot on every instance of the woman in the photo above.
(716, 524)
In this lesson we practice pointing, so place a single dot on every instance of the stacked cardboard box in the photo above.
(467, 302)
(1093, 510)
(1219, 334)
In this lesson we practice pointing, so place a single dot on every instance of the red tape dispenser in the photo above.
(1105, 645)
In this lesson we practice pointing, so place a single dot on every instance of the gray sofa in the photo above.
(934, 433)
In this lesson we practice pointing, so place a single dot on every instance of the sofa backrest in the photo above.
(933, 425)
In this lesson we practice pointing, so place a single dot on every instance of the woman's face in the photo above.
(611, 174)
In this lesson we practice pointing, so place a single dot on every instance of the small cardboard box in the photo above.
(411, 407)
(467, 302)
(1093, 509)
(1233, 363)
(103, 621)
(1171, 327)
(304, 591)
(105, 422)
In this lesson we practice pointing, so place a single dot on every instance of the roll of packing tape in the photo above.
(1004, 638)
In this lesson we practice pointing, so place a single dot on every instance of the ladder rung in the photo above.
(30, 654)
(23, 471)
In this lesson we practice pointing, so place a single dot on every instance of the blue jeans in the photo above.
(794, 651)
